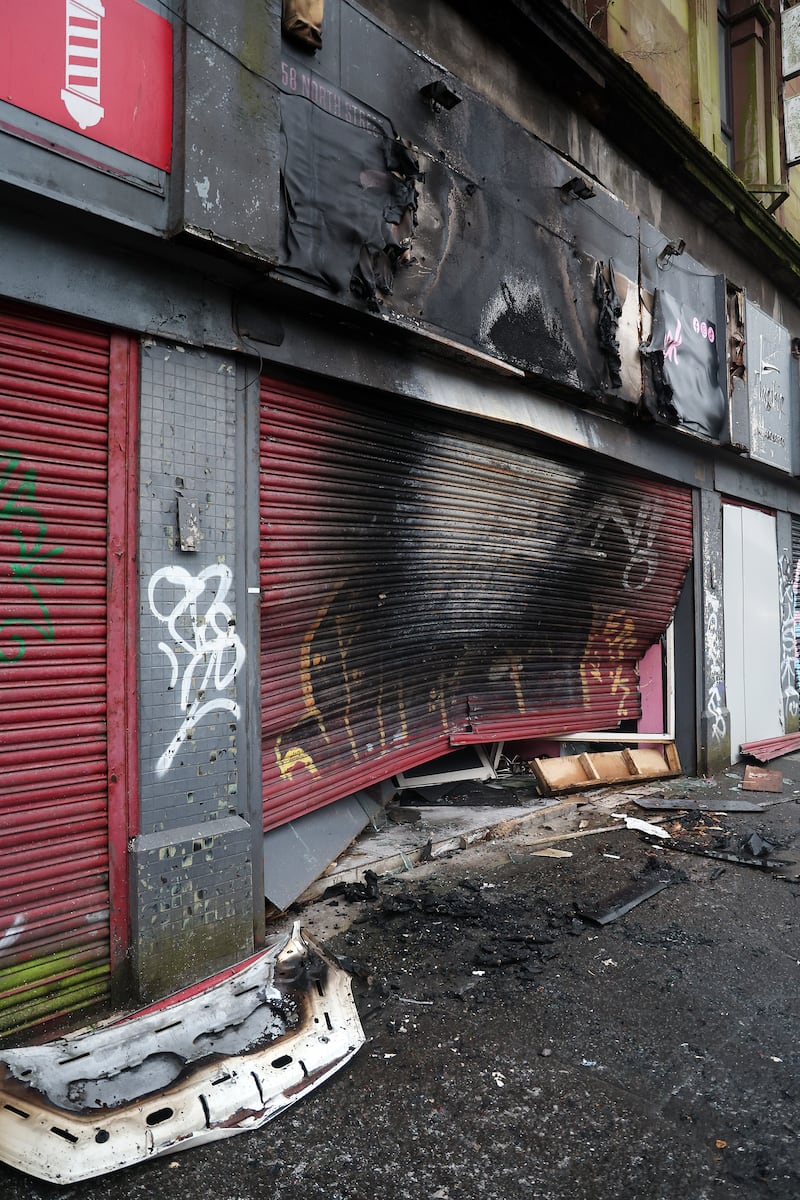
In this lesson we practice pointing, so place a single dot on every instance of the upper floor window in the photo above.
(749, 95)
(725, 94)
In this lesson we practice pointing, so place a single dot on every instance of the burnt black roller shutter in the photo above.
(428, 582)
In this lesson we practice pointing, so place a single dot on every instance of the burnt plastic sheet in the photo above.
(609, 314)
(743, 859)
(349, 190)
(686, 351)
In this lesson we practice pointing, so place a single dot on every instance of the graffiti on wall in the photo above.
(205, 652)
(609, 651)
(715, 702)
(686, 383)
(639, 529)
(20, 518)
(796, 587)
(471, 587)
(788, 643)
(716, 708)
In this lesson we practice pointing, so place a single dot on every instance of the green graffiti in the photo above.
(17, 492)
(57, 983)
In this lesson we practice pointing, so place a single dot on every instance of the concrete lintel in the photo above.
(145, 842)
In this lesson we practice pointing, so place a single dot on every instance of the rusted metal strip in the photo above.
(771, 748)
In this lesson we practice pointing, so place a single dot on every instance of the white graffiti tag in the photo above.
(716, 662)
(788, 641)
(215, 652)
(639, 532)
(716, 707)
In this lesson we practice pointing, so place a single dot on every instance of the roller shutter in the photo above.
(428, 583)
(54, 842)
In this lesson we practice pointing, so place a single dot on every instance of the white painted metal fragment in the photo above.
(641, 826)
(216, 1060)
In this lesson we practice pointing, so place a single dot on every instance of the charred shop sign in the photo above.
(685, 385)
(769, 359)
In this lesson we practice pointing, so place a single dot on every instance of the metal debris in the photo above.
(216, 1060)
(641, 826)
(745, 860)
(684, 804)
(622, 902)
(771, 748)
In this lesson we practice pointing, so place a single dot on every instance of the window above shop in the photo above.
(749, 95)
(790, 43)
(725, 72)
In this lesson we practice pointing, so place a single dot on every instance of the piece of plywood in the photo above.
(647, 762)
(611, 764)
(561, 774)
(757, 779)
(578, 771)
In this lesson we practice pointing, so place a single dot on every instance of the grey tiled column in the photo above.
(714, 749)
(192, 860)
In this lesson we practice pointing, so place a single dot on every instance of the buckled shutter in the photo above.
(54, 852)
(430, 582)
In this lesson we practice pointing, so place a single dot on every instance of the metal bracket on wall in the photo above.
(189, 523)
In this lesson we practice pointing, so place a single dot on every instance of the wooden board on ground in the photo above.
(757, 779)
(576, 771)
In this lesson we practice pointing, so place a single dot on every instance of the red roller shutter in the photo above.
(430, 582)
(54, 803)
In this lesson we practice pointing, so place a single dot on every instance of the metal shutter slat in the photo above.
(54, 899)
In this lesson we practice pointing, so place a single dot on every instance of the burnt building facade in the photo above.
(375, 381)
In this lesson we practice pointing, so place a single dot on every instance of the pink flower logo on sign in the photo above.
(671, 343)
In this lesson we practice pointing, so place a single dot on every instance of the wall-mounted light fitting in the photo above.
(576, 189)
(671, 250)
(439, 95)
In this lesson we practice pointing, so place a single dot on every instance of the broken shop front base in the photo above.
(221, 1058)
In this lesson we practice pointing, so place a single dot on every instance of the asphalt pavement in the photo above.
(516, 1047)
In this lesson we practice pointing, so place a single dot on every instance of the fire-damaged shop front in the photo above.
(429, 583)
(390, 407)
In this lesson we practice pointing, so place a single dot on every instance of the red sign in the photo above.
(100, 67)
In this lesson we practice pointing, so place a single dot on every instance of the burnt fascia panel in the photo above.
(497, 260)
(686, 381)
(575, 65)
(230, 130)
